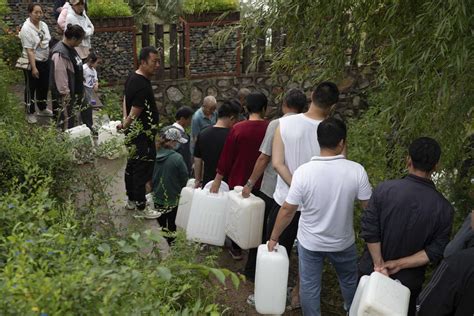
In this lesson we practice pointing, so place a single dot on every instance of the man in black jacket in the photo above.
(451, 289)
(408, 222)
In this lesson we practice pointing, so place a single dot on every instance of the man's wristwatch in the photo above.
(249, 184)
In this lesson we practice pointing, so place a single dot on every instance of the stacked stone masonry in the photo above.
(206, 57)
(171, 94)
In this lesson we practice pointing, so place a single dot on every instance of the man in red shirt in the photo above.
(241, 150)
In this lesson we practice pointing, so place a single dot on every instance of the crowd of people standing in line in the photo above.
(65, 67)
(309, 188)
(296, 164)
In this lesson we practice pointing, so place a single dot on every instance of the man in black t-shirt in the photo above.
(210, 142)
(140, 122)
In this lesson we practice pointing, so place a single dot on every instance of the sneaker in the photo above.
(151, 214)
(251, 300)
(31, 118)
(236, 254)
(131, 205)
(45, 112)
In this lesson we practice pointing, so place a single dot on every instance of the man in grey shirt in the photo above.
(294, 102)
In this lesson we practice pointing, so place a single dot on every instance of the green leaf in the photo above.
(128, 249)
(135, 236)
(235, 280)
(104, 248)
(219, 275)
(154, 236)
(164, 273)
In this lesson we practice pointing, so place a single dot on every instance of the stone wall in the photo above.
(171, 94)
(205, 57)
(115, 44)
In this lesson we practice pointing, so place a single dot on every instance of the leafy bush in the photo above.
(58, 260)
(10, 45)
(201, 6)
(48, 265)
(108, 8)
(111, 100)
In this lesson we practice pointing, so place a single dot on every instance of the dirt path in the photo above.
(234, 299)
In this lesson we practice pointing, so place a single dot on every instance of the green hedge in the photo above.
(58, 260)
(108, 8)
(202, 6)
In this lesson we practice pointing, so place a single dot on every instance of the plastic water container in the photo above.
(207, 217)
(108, 134)
(379, 295)
(245, 217)
(271, 278)
(184, 205)
(80, 132)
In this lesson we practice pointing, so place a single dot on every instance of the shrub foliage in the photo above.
(58, 260)
(108, 8)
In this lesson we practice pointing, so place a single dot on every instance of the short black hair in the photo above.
(296, 99)
(92, 57)
(145, 53)
(330, 132)
(424, 153)
(325, 95)
(185, 112)
(32, 6)
(256, 102)
(228, 109)
(74, 31)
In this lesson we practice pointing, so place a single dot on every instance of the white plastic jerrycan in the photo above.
(184, 205)
(79, 132)
(271, 278)
(82, 145)
(245, 217)
(379, 295)
(109, 136)
(207, 217)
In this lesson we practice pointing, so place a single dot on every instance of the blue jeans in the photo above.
(311, 267)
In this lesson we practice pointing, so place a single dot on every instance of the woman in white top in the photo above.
(35, 37)
(76, 15)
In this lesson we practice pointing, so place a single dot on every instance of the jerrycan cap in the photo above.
(238, 188)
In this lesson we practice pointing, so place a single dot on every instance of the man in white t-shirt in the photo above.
(325, 188)
(294, 143)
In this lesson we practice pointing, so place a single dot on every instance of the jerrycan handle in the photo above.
(275, 249)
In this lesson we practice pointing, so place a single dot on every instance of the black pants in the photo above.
(288, 236)
(139, 170)
(36, 89)
(86, 108)
(168, 222)
(65, 112)
(252, 257)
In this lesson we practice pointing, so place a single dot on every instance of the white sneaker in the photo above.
(131, 205)
(147, 214)
(151, 214)
(45, 112)
(31, 118)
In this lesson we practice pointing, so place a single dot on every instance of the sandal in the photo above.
(290, 306)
